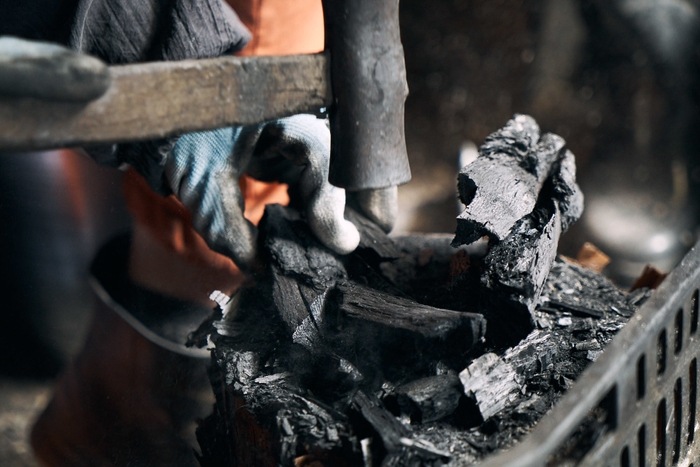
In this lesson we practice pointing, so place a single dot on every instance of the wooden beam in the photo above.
(154, 100)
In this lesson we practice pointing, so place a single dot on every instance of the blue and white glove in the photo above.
(203, 171)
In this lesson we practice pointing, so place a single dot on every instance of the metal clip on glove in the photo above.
(203, 171)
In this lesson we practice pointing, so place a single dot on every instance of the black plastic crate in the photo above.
(637, 405)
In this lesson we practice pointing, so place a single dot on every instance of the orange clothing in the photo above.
(281, 27)
(278, 27)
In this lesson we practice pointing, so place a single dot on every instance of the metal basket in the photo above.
(646, 382)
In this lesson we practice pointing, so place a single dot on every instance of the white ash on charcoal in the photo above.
(405, 352)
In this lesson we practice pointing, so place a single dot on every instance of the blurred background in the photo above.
(616, 78)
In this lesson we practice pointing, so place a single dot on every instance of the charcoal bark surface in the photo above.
(429, 399)
(491, 382)
(566, 192)
(503, 184)
(515, 273)
(387, 336)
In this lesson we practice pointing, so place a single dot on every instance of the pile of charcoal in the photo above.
(421, 350)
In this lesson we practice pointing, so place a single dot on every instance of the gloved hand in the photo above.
(203, 169)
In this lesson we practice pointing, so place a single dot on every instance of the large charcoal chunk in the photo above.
(491, 383)
(293, 249)
(429, 399)
(385, 335)
(515, 274)
(503, 184)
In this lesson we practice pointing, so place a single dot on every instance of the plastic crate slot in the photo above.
(692, 398)
(600, 422)
(678, 332)
(694, 312)
(661, 434)
(677, 419)
(641, 377)
(642, 445)
(661, 353)
(625, 457)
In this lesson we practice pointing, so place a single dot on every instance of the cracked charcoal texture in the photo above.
(424, 354)
(505, 182)
(437, 419)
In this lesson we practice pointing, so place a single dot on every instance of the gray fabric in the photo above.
(127, 31)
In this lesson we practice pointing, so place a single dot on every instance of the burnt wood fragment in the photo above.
(503, 184)
(535, 354)
(292, 247)
(402, 448)
(583, 292)
(515, 274)
(491, 383)
(387, 336)
(497, 383)
(357, 303)
(372, 237)
(429, 399)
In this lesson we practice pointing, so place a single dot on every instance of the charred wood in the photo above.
(428, 399)
(385, 336)
(503, 184)
(515, 273)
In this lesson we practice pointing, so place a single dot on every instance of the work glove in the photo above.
(203, 169)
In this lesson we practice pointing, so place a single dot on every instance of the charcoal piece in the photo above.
(268, 422)
(428, 399)
(293, 248)
(386, 336)
(288, 300)
(372, 237)
(495, 383)
(536, 354)
(515, 274)
(492, 383)
(299, 307)
(503, 184)
(566, 192)
(401, 446)
(357, 303)
(431, 271)
(386, 425)
(575, 310)
(574, 288)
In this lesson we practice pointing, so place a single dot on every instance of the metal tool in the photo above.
(363, 64)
